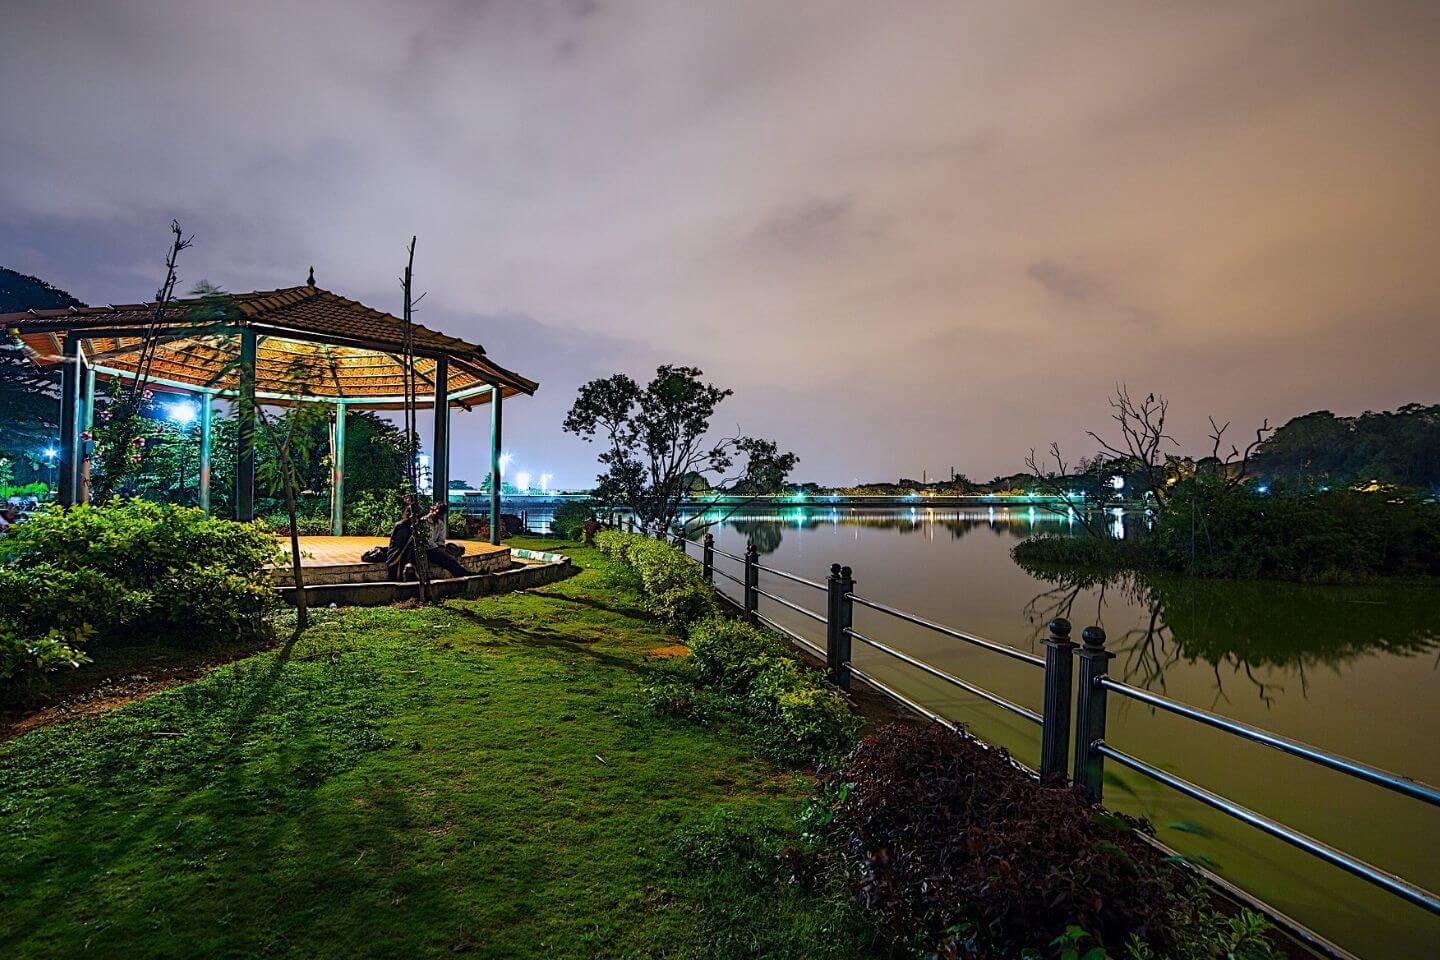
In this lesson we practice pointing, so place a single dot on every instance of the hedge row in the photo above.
(134, 571)
(797, 716)
(673, 589)
(734, 668)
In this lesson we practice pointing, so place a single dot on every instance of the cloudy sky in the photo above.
(910, 235)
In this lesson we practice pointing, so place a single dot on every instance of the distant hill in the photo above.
(29, 398)
(20, 292)
(1400, 446)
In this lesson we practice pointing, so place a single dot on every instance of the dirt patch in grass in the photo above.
(115, 678)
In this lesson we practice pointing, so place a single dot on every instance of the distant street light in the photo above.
(50, 454)
(182, 414)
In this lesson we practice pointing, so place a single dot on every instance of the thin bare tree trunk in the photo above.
(419, 529)
(128, 407)
(287, 479)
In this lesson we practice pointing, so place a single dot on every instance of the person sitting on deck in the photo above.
(401, 549)
(435, 550)
(9, 515)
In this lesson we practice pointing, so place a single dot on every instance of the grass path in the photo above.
(480, 778)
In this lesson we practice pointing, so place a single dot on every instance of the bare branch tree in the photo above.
(419, 528)
(119, 440)
(1143, 438)
(1050, 481)
(1235, 465)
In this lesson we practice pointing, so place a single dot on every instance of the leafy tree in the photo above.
(1400, 447)
(657, 440)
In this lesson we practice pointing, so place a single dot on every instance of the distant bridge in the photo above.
(529, 501)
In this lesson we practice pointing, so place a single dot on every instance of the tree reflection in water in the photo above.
(1242, 625)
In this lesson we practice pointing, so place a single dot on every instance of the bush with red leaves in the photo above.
(947, 838)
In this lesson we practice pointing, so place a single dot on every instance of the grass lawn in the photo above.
(480, 778)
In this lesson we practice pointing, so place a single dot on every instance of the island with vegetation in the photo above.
(1321, 499)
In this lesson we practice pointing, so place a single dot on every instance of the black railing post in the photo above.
(752, 582)
(707, 558)
(839, 615)
(1055, 734)
(1090, 714)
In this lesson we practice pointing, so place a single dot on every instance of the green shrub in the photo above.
(1100, 553)
(135, 570)
(37, 489)
(615, 544)
(805, 718)
(24, 658)
(569, 520)
(373, 513)
(671, 585)
(674, 590)
(727, 654)
(795, 715)
(311, 515)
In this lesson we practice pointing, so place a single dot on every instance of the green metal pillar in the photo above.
(206, 419)
(87, 423)
(245, 431)
(337, 471)
(496, 394)
(71, 380)
(440, 457)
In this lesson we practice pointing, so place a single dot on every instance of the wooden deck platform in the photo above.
(328, 560)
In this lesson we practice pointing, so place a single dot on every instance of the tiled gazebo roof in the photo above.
(338, 348)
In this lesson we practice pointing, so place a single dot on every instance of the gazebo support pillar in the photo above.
(206, 424)
(495, 422)
(245, 431)
(87, 423)
(440, 457)
(337, 471)
(72, 376)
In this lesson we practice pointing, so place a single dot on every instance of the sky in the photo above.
(910, 235)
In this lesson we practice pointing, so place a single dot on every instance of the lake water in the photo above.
(1355, 670)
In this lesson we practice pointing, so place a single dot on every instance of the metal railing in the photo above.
(1088, 745)
(838, 620)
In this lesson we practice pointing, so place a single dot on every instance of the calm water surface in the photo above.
(1355, 670)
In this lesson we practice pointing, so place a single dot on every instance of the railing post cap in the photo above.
(1094, 638)
(845, 573)
(835, 570)
(709, 538)
(1060, 629)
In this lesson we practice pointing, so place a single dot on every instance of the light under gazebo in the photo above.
(296, 345)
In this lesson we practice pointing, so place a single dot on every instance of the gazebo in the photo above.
(256, 348)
